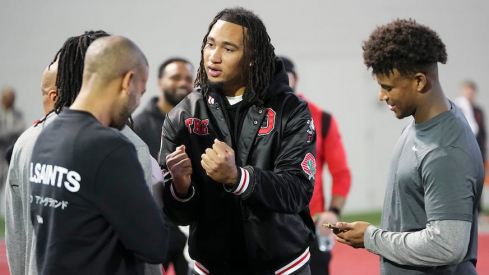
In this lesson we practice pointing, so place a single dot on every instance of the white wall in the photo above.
(322, 37)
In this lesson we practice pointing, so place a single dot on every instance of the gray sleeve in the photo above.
(440, 243)
(144, 156)
(14, 228)
(145, 159)
(449, 179)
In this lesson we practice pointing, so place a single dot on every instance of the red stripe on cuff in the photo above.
(243, 182)
(200, 269)
(295, 264)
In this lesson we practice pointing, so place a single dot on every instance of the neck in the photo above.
(234, 92)
(163, 105)
(433, 103)
(98, 99)
(48, 109)
(92, 106)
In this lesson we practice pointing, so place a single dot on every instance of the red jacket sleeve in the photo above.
(335, 157)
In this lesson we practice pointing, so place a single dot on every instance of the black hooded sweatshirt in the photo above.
(262, 223)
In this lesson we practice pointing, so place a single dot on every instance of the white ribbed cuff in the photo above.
(295, 264)
(178, 198)
(244, 182)
(200, 269)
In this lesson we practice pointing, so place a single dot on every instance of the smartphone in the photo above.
(330, 225)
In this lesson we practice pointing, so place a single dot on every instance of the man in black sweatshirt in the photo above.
(91, 209)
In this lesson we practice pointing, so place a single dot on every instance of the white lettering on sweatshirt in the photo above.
(55, 176)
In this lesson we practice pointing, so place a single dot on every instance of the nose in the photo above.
(215, 57)
(382, 96)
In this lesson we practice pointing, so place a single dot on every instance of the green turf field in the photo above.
(370, 217)
(2, 227)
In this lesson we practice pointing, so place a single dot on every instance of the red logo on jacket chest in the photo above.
(197, 126)
(268, 124)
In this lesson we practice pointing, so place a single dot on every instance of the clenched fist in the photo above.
(180, 168)
(219, 163)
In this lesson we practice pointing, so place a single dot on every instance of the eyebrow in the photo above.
(224, 42)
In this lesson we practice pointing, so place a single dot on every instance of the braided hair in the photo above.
(71, 59)
(258, 51)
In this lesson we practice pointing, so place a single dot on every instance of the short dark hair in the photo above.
(71, 58)
(258, 51)
(404, 45)
(288, 65)
(163, 65)
(470, 84)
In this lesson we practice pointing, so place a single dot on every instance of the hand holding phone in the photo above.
(330, 225)
(334, 227)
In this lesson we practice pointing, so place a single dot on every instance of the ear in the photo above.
(160, 85)
(420, 82)
(52, 96)
(127, 81)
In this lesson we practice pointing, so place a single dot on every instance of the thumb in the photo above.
(344, 225)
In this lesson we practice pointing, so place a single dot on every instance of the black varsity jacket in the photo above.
(263, 223)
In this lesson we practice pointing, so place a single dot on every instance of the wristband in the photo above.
(335, 210)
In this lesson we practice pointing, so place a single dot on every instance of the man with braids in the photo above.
(429, 220)
(239, 156)
(92, 211)
(19, 234)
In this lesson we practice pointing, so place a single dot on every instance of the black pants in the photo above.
(319, 260)
(175, 250)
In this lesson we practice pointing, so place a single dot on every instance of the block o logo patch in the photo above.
(309, 165)
(268, 124)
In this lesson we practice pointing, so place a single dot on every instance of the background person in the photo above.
(330, 152)
(175, 82)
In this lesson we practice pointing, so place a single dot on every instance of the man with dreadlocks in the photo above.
(56, 91)
(239, 152)
(19, 235)
(429, 220)
(92, 211)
